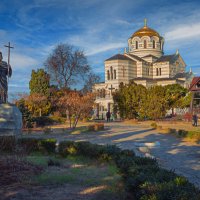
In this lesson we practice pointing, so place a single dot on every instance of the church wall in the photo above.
(166, 82)
(139, 69)
(161, 70)
(144, 52)
(125, 70)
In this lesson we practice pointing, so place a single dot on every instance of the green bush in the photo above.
(172, 131)
(43, 121)
(29, 144)
(89, 150)
(124, 163)
(64, 148)
(49, 145)
(182, 133)
(154, 125)
(194, 135)
(7, 143)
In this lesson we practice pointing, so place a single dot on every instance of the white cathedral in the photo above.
(144, 63)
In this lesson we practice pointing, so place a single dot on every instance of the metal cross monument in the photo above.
(9, 47)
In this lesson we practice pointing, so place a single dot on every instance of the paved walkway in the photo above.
(172, 153)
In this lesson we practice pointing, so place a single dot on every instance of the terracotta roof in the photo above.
(195, 80)
(118, 57)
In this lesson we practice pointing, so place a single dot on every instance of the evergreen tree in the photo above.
(40, 82)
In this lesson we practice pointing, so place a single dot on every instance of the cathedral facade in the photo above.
(144, 63)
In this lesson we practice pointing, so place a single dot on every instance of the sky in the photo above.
(99, 27)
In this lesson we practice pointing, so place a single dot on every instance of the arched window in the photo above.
(103, 93)
(108, 75)
(145, 44)
(160, 71)
(115, 74)
(157, 72)
(136, 44)
(111, 73)
(154, 44)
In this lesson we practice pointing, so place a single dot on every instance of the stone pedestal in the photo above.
(10, 120)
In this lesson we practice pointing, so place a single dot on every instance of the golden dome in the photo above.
(145, 31)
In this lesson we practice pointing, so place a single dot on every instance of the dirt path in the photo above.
(172, 153)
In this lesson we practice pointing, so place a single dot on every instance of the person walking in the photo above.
(108, 116)
(195, 119)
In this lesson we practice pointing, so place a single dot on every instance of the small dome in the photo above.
(145, 31)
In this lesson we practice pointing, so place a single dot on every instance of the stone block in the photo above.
(10, 120)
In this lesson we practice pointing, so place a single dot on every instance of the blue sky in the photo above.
(99, 27)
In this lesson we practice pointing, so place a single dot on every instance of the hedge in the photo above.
(142, 177)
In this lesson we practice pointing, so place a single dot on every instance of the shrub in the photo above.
(194, 135)
(127, 152)
(124, 163)
(96, 127)
(7, 143)
(99, 127)
(49, 145)
(52, 162)
(91, 128)
(172, 131)
(43, 121)
(29, 144)
(64, 148)
(182, 133)
(154, 125)
(89, 150)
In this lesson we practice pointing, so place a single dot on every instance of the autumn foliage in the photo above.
(76, 105)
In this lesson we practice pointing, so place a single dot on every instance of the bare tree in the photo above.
(90, 81)
(67, 66)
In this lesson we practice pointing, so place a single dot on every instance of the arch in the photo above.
(136, 44)
(136, 39)
(145, 44)
(111, 73)
(103, 93)
(157, 73)
(154, 44)
(115, 74)
(147, 38)
(155, 38)
(108, 75)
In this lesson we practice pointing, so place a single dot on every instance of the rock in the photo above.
(10, 120)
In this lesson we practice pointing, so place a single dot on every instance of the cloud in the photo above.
(103, 48)
(188, 31)
(20, 61)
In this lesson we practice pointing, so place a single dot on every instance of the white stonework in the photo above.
(143, 62)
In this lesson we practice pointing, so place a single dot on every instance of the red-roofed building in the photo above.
(195, 89)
